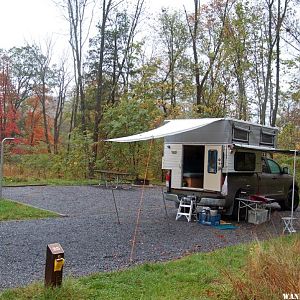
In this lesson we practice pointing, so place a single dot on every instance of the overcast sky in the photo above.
(24, 21)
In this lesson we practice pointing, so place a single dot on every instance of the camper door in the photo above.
(213, 168)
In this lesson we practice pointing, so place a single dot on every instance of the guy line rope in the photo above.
(140, 206)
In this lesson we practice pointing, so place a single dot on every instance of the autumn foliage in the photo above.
(24, 123)
(8, 115)
(33, 123)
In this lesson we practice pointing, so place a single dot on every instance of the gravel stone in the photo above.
(93, 240)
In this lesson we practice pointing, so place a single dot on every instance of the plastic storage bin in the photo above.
(257, 216)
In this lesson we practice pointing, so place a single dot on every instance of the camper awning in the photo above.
(265, 149)
(172, 127)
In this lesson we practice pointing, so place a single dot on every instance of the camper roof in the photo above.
(213, 128)
(171, 127)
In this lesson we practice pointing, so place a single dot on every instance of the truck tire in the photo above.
(287, 203)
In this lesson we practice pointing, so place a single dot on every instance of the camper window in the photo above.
(240, 134)
(267, 138)
(212, 161)
(244, 161)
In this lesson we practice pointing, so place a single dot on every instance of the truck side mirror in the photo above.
(285, 170)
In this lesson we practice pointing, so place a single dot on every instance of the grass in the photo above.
(216, 275)
(10, 210)
(54, 181)
(272, 269)
(20, 181)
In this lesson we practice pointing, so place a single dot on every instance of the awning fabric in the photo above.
(172, 127)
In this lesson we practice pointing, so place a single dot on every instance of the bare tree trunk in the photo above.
(138, 10)
(173, 89)
(63, 83)
(280, 19)
(99, 93)
(258, 74)
(194, 33)
(267, 82)
(43, 75)
(76, 17)
(277, 87)
(45, 121)
(114, 75)
(106, 7)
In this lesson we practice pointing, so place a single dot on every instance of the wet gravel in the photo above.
(93, 240)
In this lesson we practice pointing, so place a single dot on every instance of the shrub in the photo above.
(270, 271)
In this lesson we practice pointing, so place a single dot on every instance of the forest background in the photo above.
(226, 58)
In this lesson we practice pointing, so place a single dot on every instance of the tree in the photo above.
(274, 21)
(236, 45)
(75, 14)
(22, 64)
(44, 80)
(34, 126)
(62, 82)
(210, 43)
(281, 13)
(120, 36)
(132, 115)
(8, 94)
(193, 25)
(175, 40)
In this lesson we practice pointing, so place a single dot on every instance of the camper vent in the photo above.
(240, 134)
(267, 138)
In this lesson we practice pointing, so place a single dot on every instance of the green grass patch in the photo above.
(10, 210)
(198, 276)
(9, 182)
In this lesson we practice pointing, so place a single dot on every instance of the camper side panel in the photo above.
(172, 160)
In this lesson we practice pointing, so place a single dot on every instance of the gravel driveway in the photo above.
(93, 240)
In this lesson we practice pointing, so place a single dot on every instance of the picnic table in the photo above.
(116, 177)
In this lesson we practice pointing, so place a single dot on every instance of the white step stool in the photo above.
(187, 208)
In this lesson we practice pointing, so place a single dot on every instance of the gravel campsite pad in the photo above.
(93, 240)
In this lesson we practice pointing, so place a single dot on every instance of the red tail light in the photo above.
(168, 178)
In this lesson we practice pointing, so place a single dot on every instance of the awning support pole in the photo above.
(140, 206)
(294, 177)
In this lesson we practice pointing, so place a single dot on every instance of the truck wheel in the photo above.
(287, 203)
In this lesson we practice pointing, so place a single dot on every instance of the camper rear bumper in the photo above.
(205, 200)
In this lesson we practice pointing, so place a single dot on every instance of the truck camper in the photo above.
(217, 159)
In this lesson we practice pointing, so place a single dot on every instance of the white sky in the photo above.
(27, 21)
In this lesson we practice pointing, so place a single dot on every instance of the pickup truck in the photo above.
(273, 182)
